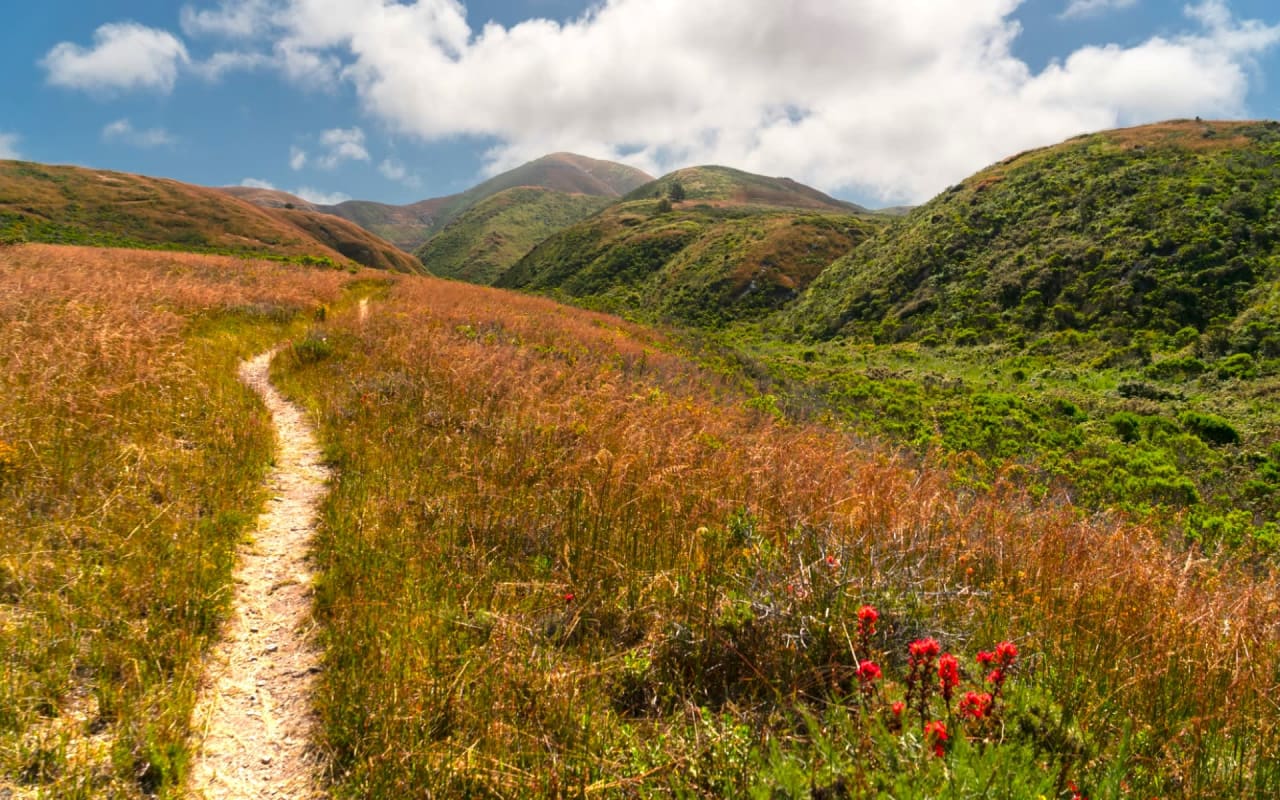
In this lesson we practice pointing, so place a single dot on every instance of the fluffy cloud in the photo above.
(317, 196)
(122, 130)
(124, 56)
(9, 145)
(341, 144)
(884, 98)
(1090, 8)
(393, 170)
(297, 158)
(320, 197)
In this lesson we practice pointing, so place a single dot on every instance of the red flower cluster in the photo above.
(935, 734)
(832, 561)
(867, 616)
(868, 671)
(976, 705)
(924, 650)
(1003, 657)
(948, 675)
(897, 708)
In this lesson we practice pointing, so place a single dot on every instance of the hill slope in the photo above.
(485, 240)
(697, 263)
(349, 239)
(715, 184)
(409, 226)
(73, 205)
(1157, 228)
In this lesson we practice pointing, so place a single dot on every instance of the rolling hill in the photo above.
(738, 246)
(1160, 228)
(725, 185)
(485, 240)
(409, 226)
(74, 205)
(349, 239)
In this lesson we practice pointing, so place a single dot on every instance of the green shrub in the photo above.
(1127, 425)
(1240, 365)
(1210, 428)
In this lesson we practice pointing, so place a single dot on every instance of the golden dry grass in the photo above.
(131, 465)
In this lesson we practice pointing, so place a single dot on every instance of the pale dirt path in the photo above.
(253, 721)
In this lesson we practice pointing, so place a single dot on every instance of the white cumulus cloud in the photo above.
(122, 130)
(9, 146)
(1090, 8)
(124, 56)
(394, 170)
(320, 197)
(297, 158)
(317, 196)
(341, 144)
(892, 99)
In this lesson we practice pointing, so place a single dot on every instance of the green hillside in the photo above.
(697, 263)
(1099, 317)
(714, 184)
(409, 226)
(1162, 228)
(485, 240)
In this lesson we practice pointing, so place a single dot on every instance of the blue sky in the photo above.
(879, 101)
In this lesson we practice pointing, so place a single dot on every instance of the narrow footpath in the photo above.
(253, 721)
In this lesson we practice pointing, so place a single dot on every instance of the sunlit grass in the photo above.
(559, 560)
(130, 464)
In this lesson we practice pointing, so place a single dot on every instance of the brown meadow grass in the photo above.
(130, 463)
(559, 560)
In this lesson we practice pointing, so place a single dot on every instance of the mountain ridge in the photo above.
(410, 225)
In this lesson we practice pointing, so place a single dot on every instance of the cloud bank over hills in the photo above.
(889, 98)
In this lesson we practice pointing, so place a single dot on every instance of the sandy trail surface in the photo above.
(254, 722)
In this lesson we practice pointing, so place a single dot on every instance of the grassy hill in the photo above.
(409, 226)
(715, 184)
(697, 263)
(1100, 316)
(349, 239)
(484, 241)
(1157, 229)
(74, 205)
(735, 247)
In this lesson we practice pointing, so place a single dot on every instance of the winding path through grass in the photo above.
(253, 720)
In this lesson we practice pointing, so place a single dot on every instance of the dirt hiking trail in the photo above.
(253, 721)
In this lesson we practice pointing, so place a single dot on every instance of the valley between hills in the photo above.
(701, 485)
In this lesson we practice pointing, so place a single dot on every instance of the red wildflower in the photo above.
(867, 616)
(986, 658)
(996, 677)
(569, 597)
(935, 734)
(869, 671)
(923, 650)
(897, 708)
(832, 561)
(1007, 653)
(948, 674)
(976, 705)
(1076, 794)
